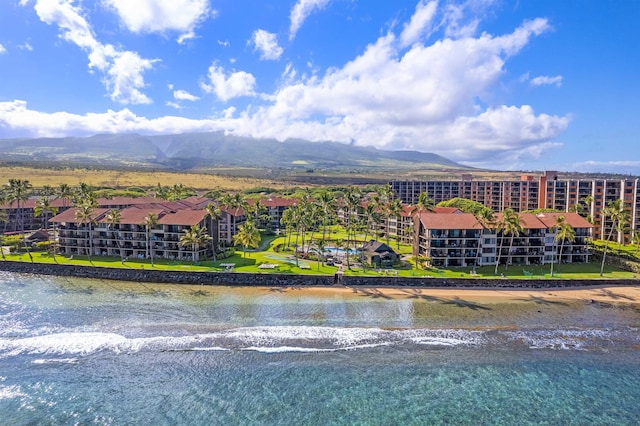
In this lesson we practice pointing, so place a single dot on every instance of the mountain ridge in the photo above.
(188, 151)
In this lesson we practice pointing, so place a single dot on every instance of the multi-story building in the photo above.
(588, 197)
(129, 237)
(459, 240)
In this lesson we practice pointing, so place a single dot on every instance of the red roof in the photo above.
(135, 215)
(573, 219)
(450, 221)
(69, 215)
(183, 217)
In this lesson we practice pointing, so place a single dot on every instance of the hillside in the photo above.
(201, 151)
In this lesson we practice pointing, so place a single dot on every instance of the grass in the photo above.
(254, 259)
(39, 177)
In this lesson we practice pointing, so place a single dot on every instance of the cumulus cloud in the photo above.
(544, 80)
(2, 49)
(301, 11)
(420, 23)
(227, 86)
(183, 95)
(122, 70)
(624, 167)
(16, 116)
(267, 44)
(160, 16)
(399, 93)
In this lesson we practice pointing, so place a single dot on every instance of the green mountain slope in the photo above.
(210, 150)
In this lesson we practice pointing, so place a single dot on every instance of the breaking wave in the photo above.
(71, 345)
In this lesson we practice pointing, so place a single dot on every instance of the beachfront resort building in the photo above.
(459, 240)
(588, 197)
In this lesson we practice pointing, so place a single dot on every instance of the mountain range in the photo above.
(198, 151)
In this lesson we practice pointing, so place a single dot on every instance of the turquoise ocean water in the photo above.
(76, 351)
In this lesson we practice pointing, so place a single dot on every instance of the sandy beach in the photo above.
(601, 294)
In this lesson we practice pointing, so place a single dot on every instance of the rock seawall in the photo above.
(290, 280)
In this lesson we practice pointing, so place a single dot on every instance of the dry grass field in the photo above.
(117, 179)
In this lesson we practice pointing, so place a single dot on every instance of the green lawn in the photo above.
(286, 263)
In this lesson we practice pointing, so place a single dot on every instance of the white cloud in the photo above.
(183, 95)
(420, 23)
(544, 80)
(2, 49)
(426, 97)
(160, 16)
(122, 70)
(229, 86)
(630, 167)
(224, 43)
(26, 46)
(301, 11)
(16, 116)
(173, 105)
(267, 44)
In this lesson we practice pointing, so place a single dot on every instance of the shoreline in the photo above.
(309, 281)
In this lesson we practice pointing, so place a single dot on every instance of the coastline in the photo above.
(625, 289)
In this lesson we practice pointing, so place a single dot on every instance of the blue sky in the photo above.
(520, 85)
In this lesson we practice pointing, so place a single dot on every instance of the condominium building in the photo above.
(588, 197)
(459, 240)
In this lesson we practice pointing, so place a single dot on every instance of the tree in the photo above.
(564, 232)
(614, 211)
(326, 206)
(394, 209)
(43, 207)
(64, 192)
(635, 240)
(114, 217)
(84, 214)
(512, 227)
(487, 219)
(424, 204)
(195, 237)
(352, 200)
(4, 218)
(214, 213)
(247, 236)
(18, 192)
(508, 224)
(150, 221)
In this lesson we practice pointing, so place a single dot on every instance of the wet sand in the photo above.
(605, 294)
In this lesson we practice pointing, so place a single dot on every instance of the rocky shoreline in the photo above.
(293, 280)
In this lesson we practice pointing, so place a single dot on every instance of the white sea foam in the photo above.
(56, 361)
(10, 392)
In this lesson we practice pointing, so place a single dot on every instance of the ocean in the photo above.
(82, 352)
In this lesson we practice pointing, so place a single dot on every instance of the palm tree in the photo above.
(614, 211)
(424, 204)
(352, 199)
(214, 213)
(43, 207)
(114, 217)
(564, 232)
(84, 214)
(150, 221)
(326, 205)
(487, 219)
(4, 218)
(17, 192)
(512, 227)
(65, 192)
(247, 236)
(394, 209)
(508, 224)
(195, 237)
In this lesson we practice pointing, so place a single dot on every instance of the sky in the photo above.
(510, 85)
